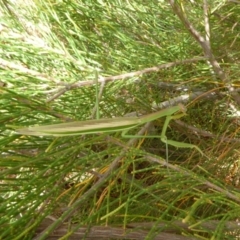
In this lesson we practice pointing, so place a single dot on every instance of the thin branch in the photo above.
(108, 232)
(206, 49)
(185, 98)
(170, 227)
(58, 94)
(137, 230)
(193, 175)
(206, 21)
(137, 73)
(204, 133)
(101, 79)
(207, 31)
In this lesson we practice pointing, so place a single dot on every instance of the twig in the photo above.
(205, 133)
(193, 175)
(136, 73)
(185, 98)
(207, 31)
(209, 225)
(108, 232)
(206, 20)
(206, 49)
(58, 94)
(101, 79)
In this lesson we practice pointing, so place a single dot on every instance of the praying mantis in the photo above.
(109, 125)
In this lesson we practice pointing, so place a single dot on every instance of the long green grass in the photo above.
(54, 54)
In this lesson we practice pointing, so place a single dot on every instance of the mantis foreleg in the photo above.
(163, 136)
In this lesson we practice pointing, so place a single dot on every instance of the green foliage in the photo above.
(51, 54)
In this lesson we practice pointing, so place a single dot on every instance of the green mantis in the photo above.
(120, 124)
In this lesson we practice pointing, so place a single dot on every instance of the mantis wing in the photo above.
(81, 127)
